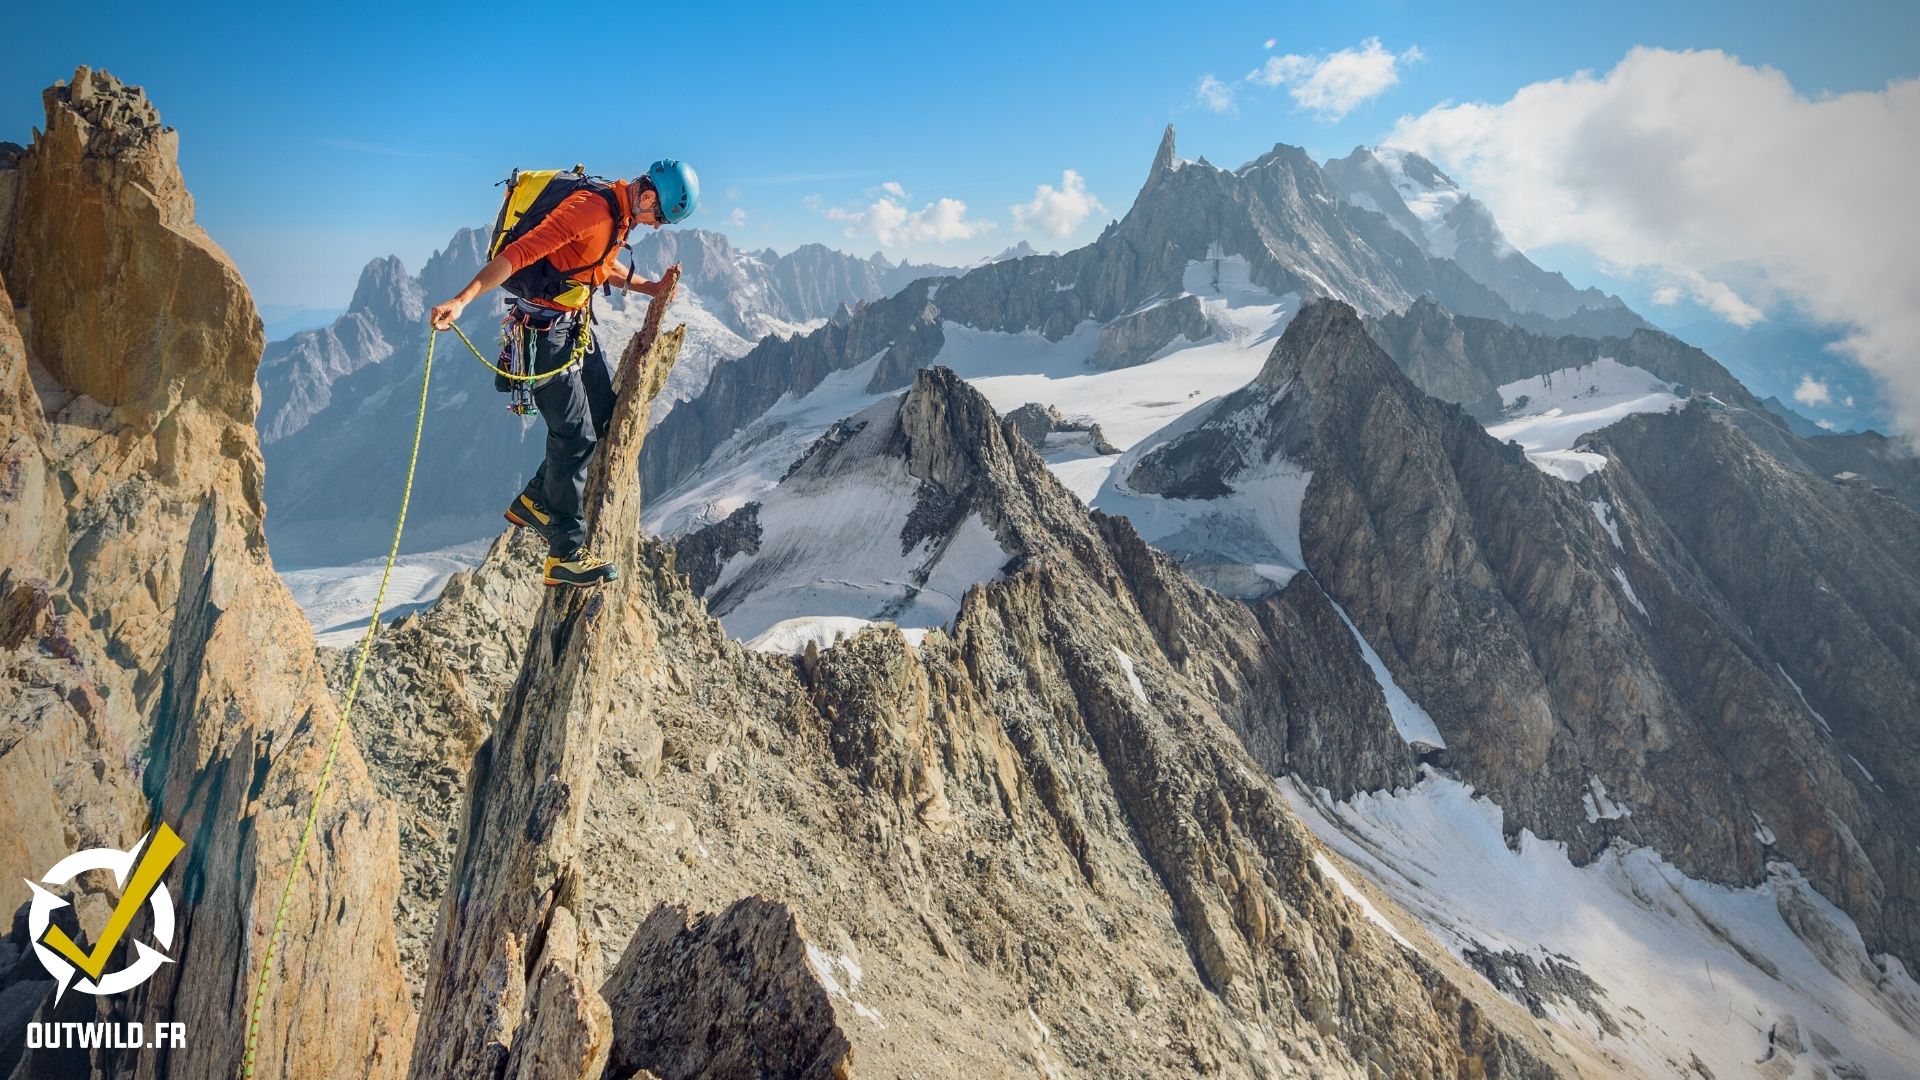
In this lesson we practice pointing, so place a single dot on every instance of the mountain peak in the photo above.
(1163, 163)
(1326, 337)
(389, 294)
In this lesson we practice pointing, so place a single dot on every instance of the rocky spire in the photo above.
(513, 983)
(1163, 160)
(390, 296)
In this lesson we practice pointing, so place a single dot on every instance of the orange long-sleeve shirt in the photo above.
(576, 233)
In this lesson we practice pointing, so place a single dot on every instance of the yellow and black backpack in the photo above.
(531, 195)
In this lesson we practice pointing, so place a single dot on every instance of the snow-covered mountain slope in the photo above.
(1551, 644)
(1014, 369)
(338, 600)
(1426, 206)
(851, 532)
(1548, 414)
(1277, 225)
(1218, 489)
(1638, 969)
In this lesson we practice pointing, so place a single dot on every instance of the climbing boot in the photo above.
(525, 512)
(582, 569)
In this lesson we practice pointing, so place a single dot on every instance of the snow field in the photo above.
(1550, 412)
(338, 600)
(1684, 967)
(830, 547)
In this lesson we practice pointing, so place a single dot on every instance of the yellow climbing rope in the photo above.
(573, 358)
(346, 711)
(353, 688)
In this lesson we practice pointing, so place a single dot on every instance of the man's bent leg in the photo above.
(571, 438)
(597, 376)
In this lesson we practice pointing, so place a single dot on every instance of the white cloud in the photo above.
(1720, 178)
(888, 220)
(1214, 94)
(1812, 391)
(893, 188)
(1058, 212)
(1667, 295)
(1826, 425)
(737, 218)
(1334, 84)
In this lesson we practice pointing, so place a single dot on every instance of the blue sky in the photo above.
(317, 139)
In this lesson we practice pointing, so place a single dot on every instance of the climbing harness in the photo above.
(519, 339)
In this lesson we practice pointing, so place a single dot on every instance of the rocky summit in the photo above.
(1444, 693)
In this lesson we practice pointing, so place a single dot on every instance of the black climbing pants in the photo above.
(577, 405)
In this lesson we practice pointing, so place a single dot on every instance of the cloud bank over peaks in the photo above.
(1719, 182)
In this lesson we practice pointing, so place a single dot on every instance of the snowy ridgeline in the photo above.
(830, 550)
(1244, 545)
(1011, 370)
(1638, 968)
(1548, 413)
(807, 591)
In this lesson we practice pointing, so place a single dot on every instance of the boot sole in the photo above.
(596, 583)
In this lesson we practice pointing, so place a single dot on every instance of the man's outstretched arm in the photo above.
(489, 277)
(625, 278)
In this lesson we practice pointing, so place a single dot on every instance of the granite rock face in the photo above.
(427, 698)
(1132, 339)
(735, 993)
(158, 670)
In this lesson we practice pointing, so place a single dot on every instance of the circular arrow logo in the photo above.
(137, 871)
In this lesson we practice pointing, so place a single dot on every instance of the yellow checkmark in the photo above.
(153, 863)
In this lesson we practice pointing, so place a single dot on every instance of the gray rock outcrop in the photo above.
(1633, 629)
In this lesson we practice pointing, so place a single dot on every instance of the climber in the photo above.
(556, 241)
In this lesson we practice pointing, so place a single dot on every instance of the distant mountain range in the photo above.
(331, 397)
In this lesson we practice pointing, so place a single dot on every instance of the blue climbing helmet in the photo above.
(678, 187)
